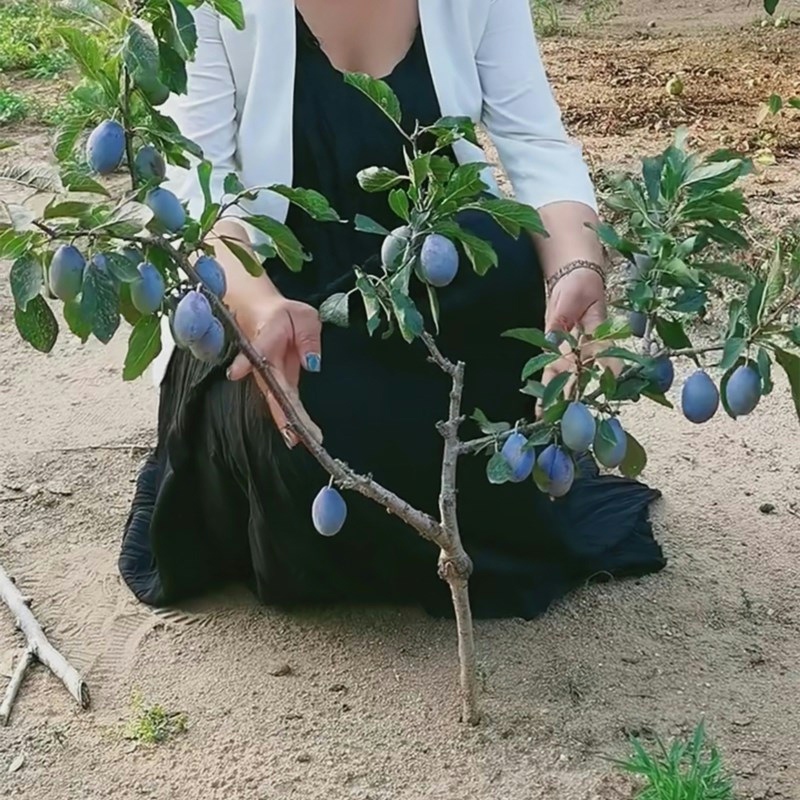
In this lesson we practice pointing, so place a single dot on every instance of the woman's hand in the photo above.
(577, 305)
(288, 334)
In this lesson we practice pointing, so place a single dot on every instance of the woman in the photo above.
(227, 495)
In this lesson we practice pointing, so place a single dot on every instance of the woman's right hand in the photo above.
(287, 334)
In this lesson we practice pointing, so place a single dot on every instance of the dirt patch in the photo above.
(367, 709)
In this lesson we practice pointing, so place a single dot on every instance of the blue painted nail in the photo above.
(313, 362)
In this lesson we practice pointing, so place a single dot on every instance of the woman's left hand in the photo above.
(577, 305)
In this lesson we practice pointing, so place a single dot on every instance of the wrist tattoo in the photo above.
(571, 267)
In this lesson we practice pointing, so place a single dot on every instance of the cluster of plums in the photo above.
(437, 264)
(555, 463)
(105, 151)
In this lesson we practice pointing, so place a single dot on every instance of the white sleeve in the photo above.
(521, 115)
(206, 114)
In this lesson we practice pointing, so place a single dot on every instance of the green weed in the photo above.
(13, 107)
(153, 724)
(687, 770)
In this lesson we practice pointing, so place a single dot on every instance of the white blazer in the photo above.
(485, 64)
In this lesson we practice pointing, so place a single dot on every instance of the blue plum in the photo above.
(66, 272)
(638, 323)
(105, 147)
(520, 461)
(699, 398)
(211, 344)
(166, 208)
(557, 469)
(578, 427)
(394, 246)
(147, 291)
(608, 454)
(212, 275)
(192, 318)
(743, 390)
(328, 512)
(662, 374)
(149, 164)
(438, 260)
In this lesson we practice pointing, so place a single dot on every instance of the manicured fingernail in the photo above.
(313, 362)
(228, 373)
(289, 438)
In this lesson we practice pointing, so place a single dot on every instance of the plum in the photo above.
(638, 323)
(105, 147)
(192, 318)
(328, 512)
(743, 390)
(166, 208)
(212, 275)
(578, 427)
(557, 469)
(66, 272)
(147, 291)
(438, 260)
(210, 345)
(394, 246)
(518, 459)
(149, 164)
(662, 374)
(611, 455)
(699, 397)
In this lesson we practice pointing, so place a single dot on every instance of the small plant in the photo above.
(153, 724)
(13, 107)
(687, 770)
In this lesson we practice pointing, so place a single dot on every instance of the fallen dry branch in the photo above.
(39, 648)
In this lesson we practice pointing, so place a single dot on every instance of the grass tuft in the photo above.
(153, 724)
(687, 770)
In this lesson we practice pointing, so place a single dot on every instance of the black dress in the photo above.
(223, 499)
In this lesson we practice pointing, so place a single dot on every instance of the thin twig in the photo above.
(13, 687)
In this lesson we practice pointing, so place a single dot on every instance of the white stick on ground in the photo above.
(13, 687)
(39, 648)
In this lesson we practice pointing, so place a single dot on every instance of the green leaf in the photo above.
(531, 336)
(554, 412)
(184, 26)
(144, 345)
(613, 328)
(251, 264)
(651, 172)
(77, 179)
(513, 217)
(26, 279)
(635, 459)
(755, 303)
(441, 169)
(671, 333)
(498, 469)
(100, 301)
(378, 91)
(537, 364)
(479, 252)
(409, 319)
(776, 281)
(67, 135)
(765, 370)
(80, 327)
(465, 184)
(398, 202)
(14, 244)
(726, 270)
(372, 303)
(791, 366)
(770, 6)
(37, 325)
(553, 391)
(69, 209)
(90, 58)
(486, 427)
(204, 170)
(232, 184)
(461, 126)
(433, 301)
(288, 248)
(367, 225)
(140, 53)
(230, 9)
(335, 310)
(316, 205)
(121, 267)
(733, 350)
(625, 355)
(378, 179)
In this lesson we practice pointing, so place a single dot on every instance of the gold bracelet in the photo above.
(571, 267)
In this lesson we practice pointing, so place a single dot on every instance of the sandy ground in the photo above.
(368, 710)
